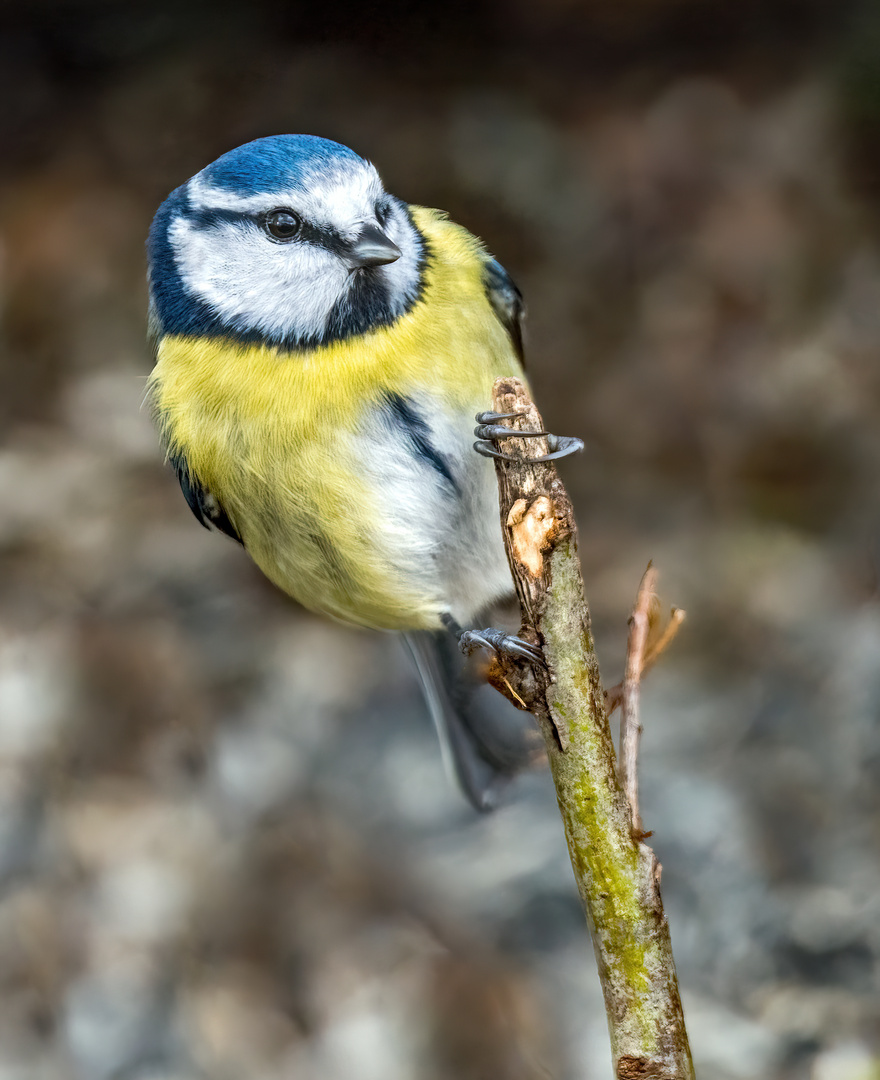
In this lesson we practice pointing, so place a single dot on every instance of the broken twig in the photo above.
(653, 652)
(630, 728)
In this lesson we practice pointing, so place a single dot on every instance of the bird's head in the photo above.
(289, 240)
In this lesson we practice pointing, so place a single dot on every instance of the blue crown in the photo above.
(275, 163)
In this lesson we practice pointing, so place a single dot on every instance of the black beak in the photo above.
(372, 248)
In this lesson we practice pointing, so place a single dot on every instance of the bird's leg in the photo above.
(488, 430)
(497, 640)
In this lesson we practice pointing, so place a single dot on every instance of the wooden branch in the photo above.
(630, 728)
(618, 876)
(654, 649)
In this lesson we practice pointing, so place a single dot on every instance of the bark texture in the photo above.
(617, 874)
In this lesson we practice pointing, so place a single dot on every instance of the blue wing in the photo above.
(507, 303)
(205, 506)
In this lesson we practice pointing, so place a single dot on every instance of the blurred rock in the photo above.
(846, 1061)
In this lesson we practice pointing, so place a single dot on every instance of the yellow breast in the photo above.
(274, 435)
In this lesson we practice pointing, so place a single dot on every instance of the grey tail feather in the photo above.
(484, 739)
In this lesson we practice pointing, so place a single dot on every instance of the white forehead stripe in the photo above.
(339, 195)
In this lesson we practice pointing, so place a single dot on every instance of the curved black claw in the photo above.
(501, 643)
(499, 431)
(488, 450)
(491, 417)
(488, 431)
(560, 445)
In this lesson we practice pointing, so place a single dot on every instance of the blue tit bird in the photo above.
(322, 348)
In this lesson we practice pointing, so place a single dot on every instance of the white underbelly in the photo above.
(440, 527)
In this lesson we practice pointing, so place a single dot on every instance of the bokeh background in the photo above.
(227, 845)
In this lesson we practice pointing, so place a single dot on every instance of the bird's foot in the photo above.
(501, 643)
(489, 430)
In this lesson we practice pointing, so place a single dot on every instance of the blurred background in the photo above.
(227, 845)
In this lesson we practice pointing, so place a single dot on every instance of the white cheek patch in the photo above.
(281, 290)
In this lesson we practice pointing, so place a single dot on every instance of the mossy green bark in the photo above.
(617, 874)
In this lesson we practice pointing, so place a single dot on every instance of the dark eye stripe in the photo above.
(321, 235)
(207, 218)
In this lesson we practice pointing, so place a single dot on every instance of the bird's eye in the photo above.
(282, 224)
(383, 209)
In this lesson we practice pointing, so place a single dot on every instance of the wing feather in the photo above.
(507, 303)
(205, 507)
